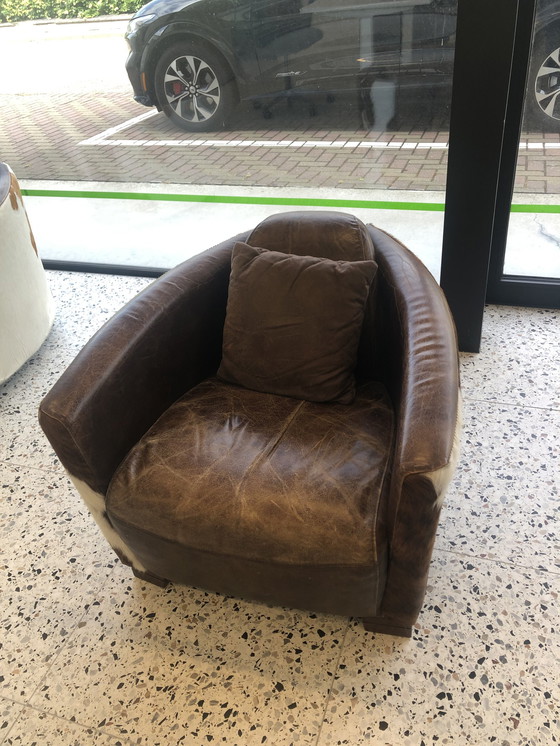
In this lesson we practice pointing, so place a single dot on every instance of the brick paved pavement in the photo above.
(42, 138)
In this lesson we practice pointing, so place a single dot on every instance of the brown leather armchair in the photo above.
(327, 507)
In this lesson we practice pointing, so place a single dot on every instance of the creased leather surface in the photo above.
(261, 476)
(333, 235)
(418, 361)
(166, 340)
(351, 590)
(418, 358)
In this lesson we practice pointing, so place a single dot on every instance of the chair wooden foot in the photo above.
(386, 627)
(149, 578)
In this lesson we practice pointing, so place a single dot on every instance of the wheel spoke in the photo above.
(547, 102)
(188, 110)
(214, 97)
(546, 70)
(172, 73)
(197, 115)
(190, 107)
(212, 90)
(175, 100)
(204, 112)
(198, 67)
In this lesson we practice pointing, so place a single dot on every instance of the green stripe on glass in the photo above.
(238, 200)
(541, 209)
(281, 201)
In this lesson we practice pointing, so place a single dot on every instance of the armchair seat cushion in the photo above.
(260, 477)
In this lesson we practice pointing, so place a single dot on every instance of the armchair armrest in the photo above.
(161, 344)
(420, 357)
(418, 348)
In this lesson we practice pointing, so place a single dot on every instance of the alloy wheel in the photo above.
(192, 88)
(547, 85)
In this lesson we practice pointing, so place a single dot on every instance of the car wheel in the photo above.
(195, 88)
(543, 92)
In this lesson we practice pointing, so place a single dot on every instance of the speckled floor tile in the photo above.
(519, 360)
(185, 667)
(53, 561)
(9, 713)
(98, 298)
(482, 667)
(90, 655)
(21, 439)
(83, 304)
(504, 501)
(35, 728)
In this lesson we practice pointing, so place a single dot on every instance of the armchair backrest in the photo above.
(332, 235)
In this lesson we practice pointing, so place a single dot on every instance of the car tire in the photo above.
(543, 87)
(195, 87)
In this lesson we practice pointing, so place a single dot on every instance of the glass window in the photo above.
(143, 140)
(533, 247)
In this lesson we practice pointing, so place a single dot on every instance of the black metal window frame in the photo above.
(486, 118)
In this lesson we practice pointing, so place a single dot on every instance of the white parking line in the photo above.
(96, 139)
(107, 138)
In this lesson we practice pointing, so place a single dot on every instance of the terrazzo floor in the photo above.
(91, 655)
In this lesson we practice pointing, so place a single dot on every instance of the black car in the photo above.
(195, 59)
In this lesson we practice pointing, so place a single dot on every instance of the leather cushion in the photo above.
(267, 478)
(293, 323)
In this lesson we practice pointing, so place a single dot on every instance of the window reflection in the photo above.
(259, 50)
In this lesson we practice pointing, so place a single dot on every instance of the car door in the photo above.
(324, 44)
(308, 43)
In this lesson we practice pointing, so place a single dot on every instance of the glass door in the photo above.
(525, 263)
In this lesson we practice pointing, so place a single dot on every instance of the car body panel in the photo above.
(311, 45)
(316, 44)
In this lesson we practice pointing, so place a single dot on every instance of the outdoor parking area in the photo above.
(100, 136)
(74, 118)
(104, 137)
(72, 124)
